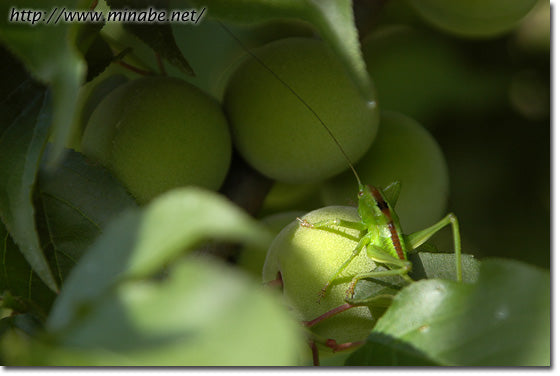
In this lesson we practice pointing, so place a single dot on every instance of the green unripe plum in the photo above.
(307, 259)
(276, 133)
(159, 133)
(403, 151)
(473, 18)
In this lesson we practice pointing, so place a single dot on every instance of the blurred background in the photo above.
(492, 122)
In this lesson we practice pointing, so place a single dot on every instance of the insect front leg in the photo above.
(333, 224)
(418, 238)
(361, 244)
(379, 255)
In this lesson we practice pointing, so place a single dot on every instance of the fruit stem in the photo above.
(276, 282)
(160, 65)
(134, 69)
(326, 315)
(314, 352)
(343, 346)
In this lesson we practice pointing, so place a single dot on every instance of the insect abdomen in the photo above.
(396, 241)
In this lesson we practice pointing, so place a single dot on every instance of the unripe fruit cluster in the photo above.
(158, 133)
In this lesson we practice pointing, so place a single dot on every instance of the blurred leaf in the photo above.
(100, 268)
(158, 36)
(16, 326)
(77, 201)
(333, 18)
(183, 218)
(49, 53)
(501, 320)
(21, 146)
(140, 243)
(202, 314)
(27, 323)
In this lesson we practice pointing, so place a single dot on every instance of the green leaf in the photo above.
(49, 53)
(334, 19)
(140, 243)
(376, 291)
(201, 314)
(17, 89)
(158, 36)
(22, 144)
(73, 218)
(184, 218)
(68, 221)
(501, 320)
(382, 350)
(98, 57)
(442, 265)
(96, 51)
(21, 289)
(425, 265)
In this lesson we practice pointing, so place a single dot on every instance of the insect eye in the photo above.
(360, 193)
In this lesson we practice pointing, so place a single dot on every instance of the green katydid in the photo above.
(381, 235)
(380, 232)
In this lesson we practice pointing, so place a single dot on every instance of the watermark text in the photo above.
(148, 15)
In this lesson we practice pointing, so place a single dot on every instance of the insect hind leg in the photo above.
(418, 238)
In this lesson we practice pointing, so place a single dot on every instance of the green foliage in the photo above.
(22, 143)
(157, 36)
(503, 319)
(50, 54)
(207, 315)
(71, 219)
(333, 19)
(89, 277)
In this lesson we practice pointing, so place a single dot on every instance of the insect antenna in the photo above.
(253, 55)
